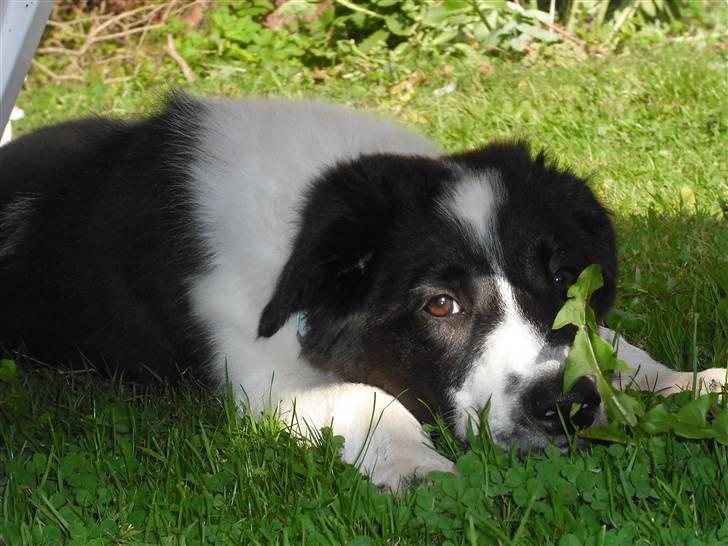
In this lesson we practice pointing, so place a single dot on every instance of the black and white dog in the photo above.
(330, 264)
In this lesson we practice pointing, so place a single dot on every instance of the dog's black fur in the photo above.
(97, 272)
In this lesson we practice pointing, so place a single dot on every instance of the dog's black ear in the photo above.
(347, 217)
(330, 268)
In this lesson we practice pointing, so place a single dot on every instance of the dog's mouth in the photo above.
(525, 434)
(524, 402)
(530, 435)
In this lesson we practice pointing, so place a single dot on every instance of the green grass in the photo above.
(85, 460)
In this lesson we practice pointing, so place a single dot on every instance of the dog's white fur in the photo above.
(247, 186)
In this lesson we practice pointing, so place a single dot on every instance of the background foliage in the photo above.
(367, 35)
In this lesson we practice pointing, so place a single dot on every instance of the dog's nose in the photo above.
(545, 401)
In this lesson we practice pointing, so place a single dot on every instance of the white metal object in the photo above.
(21, 25)
(7, 134)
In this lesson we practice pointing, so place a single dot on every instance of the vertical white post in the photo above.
(21, 25)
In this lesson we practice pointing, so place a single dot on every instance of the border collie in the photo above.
(331, 265)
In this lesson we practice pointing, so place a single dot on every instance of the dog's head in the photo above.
(438, 280)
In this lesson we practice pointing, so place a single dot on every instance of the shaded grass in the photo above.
(84, 461)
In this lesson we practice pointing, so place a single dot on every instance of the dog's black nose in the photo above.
(545, 400)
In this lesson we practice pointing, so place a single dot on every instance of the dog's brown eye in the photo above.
(564, 278)
(443, 306)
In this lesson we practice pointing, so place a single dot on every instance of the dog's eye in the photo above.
(564, 278)
(443, 306)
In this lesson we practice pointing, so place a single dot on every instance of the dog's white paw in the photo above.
(382, 438)
(712, 380)
(707, 381)
(398, 472)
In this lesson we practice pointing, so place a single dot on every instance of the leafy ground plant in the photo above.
(315, 34)
(326, 36)
(590, 355)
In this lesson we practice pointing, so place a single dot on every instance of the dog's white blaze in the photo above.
(513, 348)
(473, 204)
(473, 201)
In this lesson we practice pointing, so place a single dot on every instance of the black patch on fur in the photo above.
(99, 272)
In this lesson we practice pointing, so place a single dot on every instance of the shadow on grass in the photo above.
(673, 289)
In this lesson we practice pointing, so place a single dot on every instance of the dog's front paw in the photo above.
(400, 470)
(712, 380)
(707, 381)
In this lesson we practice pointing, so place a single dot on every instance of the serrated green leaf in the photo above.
(603, 352)
(605, 355)
(633, 404)
(590, 354)
(8, 370)
(621, 407)
(591, 319)
(580, 361)
(657, 421)
(589, 281)
(694, 412)
(613, 432)
(576, 310)
(571, 313)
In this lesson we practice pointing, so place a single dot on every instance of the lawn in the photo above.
(86, 460)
